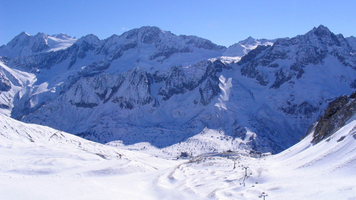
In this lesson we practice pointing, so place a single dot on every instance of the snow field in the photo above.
(42, 163)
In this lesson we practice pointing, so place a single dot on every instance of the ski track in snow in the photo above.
(42, 163)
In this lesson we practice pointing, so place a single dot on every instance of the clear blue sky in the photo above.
(224, 22)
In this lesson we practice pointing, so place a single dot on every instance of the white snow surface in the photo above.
(42, 163)
(25, 44)
(59, 42)
(243, 47)
(20, 82)
(225, 86)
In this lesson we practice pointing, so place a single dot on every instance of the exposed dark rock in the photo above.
(353, 84)
(251, 71)
(207, 92)
(84, 104)
(95, 68)
(150, 35)
(129, 46)
(304, 109)
(298, 68)
(337, 113)
(201, 43)
(274, 65)
(167, 52)
(252, 54)
(282, 76)
(3, 106)
(38, 61)
(127, 104)
(136, 91)
(5, 84)
(341, 138)
(179, 82)
(84, 48)
(106, 85)
(117, 54)
(159, 77)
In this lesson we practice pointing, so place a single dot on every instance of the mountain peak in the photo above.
(321, 36)
(321, 27)
(22, 36)
(145, 34)
(248, 40)
(90, 38)
(144, 30)
(150, 28)
(23, 33)
(24, 44)
(244, 46)
(321, 31)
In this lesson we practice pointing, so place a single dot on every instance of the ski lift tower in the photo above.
(245, 168)
(263, 195)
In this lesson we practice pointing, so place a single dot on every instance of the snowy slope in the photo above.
(41, 163)
(14, 84)
(305, 171)
(69, 152)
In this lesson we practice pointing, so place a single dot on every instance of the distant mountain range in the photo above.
(153, 87)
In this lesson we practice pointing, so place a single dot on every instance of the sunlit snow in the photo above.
(42, 163)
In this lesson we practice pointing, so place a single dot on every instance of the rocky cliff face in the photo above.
(335, 116)
(297, 53)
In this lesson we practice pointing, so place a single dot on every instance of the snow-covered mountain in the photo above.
(149, 87)
(24, 44)
(69, 167)
(243, 47)
(352, 41)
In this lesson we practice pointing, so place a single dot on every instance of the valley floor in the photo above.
(200, 178)
(53, 165)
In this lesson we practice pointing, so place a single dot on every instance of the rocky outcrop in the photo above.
(336, 115)
(180, 80)
(297, 53)
(5, 84)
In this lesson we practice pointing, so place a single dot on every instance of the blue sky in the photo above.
(224, 22)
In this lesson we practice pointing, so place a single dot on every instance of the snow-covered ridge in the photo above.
(243, 47)
(25, 44)
(352, 41)
(151, 86)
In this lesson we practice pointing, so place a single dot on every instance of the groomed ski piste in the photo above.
(38, 162)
